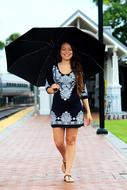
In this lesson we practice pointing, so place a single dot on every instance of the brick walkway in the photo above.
(30, 161)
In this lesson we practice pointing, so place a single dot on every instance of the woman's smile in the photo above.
(66, 51)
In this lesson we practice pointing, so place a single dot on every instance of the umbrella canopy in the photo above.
(31, 54)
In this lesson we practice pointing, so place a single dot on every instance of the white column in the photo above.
(3, 63)
(115, 73)
(113, 90)
(108, 71)
(45, 102)
(78, 22)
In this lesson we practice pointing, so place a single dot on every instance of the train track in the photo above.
(11, 110)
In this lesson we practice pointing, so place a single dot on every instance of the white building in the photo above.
(115, 72)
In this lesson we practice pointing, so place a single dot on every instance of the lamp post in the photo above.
(102, 129)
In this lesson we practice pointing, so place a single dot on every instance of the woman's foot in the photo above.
(68, 178)
(63, 167)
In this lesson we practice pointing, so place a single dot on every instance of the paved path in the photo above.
(30, 161)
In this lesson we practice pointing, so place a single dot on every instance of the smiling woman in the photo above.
(65, 81)
(66, 54)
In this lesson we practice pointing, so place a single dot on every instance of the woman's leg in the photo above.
(71, 136)
(58, 135)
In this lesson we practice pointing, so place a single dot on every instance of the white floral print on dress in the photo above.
(67, 119)
(66, 82)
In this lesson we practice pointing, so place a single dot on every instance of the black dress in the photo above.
(67, 109)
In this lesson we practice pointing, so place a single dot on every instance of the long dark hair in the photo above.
(75, 66)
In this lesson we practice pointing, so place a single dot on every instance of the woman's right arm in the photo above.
(53, 88)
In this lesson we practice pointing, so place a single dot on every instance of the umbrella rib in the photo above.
(24, 57)
(32, 47)
(61, 35)
(92, 59)
(42, 67)
(60, 38)
(43, 42)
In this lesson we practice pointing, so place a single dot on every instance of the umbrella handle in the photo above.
(55, 89)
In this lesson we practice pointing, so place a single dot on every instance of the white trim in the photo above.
(115, 43)
(78, 14)
(91, 33)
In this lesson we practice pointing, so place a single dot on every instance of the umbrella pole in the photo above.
(102, 129)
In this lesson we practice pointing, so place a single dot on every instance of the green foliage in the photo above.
(121, 34)
(116, 16)
(1, 45)
(106, 2)
(12, 37)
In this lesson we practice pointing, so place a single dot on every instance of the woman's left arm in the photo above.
(85, 101)
(88, 112)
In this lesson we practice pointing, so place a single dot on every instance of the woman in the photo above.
(66, 82)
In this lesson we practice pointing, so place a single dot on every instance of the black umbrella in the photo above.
(30, 55)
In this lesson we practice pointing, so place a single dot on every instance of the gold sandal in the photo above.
(63, 167)
(68, 178)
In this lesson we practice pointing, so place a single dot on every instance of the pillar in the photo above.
(113, 90)
(45, 101)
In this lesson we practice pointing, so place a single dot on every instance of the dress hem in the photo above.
(67, 126)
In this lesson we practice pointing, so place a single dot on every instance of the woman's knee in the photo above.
(71, 140)
(58, 135)
(59, 144)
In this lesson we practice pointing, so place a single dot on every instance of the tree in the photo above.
(1, 45)
(12, 37)
(105, 2)
(115, 15)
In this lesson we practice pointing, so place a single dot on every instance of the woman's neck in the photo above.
(65, 62)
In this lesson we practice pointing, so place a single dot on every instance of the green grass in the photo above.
(118, 128)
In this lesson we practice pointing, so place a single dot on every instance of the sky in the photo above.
(21, 15)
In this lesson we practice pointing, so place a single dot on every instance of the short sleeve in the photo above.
(84, 93)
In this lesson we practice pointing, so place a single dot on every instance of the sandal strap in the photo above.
(67, 175)
(69, 179)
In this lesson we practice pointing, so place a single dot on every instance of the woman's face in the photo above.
(66, 51)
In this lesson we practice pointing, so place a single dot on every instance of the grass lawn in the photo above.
(118, 128)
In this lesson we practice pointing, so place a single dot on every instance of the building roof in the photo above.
(82, 21)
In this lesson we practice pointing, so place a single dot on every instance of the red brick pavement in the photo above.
(30, 161)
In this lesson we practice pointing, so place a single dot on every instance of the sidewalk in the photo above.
(30, 161)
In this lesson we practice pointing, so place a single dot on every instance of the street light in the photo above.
(102, 129)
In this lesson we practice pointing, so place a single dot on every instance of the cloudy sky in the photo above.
(22, 15)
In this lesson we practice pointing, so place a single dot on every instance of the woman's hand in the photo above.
(55, 87)
(88, 119)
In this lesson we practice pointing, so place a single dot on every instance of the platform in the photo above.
(29, 159)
